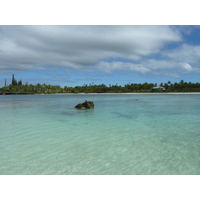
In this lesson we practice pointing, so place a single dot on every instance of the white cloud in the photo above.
(95, 48)
(170, 74)
(185, 67)
(156, 67)
(185, 53)
(159, 64)
(165, 67)
(113, 66)
(80, 47)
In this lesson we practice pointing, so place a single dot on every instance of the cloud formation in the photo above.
(114, 66)
(185, 67)
(185, 53)
(140, 49)
(79, 47)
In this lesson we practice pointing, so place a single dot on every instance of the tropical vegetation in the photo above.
(17, 87)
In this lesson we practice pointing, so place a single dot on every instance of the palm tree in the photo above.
(169, 82)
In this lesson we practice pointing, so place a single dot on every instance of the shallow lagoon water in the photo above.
(124, 134)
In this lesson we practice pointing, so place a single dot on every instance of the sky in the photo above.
(77, 55)
(73, 55)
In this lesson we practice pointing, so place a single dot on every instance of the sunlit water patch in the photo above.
(123, 134)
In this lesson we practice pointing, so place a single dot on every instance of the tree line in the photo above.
(19, 87)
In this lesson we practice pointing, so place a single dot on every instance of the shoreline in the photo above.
(122, 93)
(82, 93)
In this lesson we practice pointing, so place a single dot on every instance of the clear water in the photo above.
(123, 134)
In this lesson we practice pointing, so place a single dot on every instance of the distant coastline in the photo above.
(135, 93)
(156, 93)
(18, 88)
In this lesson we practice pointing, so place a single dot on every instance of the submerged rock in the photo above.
(86, 105)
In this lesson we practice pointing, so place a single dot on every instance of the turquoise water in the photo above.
(123, 134)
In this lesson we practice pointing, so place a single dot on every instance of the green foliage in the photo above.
(20, 82)
(18, 87)
(14, 81)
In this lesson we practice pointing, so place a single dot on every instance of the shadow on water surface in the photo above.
(84, 112)
(127, 116)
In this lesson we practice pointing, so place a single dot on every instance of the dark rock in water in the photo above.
(86, 105)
